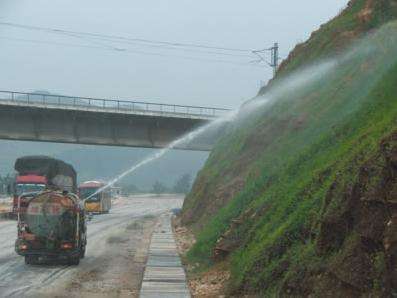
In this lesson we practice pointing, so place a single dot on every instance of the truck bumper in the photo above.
(44, 253)
(50, 254)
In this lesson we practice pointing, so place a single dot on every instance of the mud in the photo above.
(119, 274)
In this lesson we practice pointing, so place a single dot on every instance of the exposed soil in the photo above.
(361, 233)
(211, 283)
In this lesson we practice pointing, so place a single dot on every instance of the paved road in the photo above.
(20, 280)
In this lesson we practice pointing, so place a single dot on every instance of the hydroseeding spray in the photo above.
(183, 140)
(295, 81)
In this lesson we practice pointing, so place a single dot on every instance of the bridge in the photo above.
(94, 121)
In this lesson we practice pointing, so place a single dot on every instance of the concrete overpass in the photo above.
(81, 120)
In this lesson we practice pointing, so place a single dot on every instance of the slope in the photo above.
(300, 196)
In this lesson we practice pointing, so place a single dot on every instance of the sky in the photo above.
(71, 65)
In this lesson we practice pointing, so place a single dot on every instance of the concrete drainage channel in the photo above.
(164, 275)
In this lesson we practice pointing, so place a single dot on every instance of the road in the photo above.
(113, 267)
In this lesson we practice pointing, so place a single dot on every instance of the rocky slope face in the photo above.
(299, 198)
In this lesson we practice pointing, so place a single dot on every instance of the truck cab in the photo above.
(97, 200)
(25, 184)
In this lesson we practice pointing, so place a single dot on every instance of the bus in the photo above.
(100, 202)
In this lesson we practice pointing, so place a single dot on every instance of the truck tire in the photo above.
(30, 260)
(82, 252)
(74, 261)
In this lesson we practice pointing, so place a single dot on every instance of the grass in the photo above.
(346, 114)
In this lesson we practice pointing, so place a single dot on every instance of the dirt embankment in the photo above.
(206, 284)
(358, 233)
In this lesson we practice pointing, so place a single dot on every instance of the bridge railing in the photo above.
(51, 100)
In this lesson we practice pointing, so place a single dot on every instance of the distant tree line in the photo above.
(5, 181)
(181, 186)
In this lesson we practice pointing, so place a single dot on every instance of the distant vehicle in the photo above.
(53, 226)
(36, 173)
(51, 218)
(100, 202)
(115, 192)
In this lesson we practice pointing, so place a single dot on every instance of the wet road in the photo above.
(20, 280)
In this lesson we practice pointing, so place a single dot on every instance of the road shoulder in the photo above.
(119, 274)
(208, 283)
(164, 274)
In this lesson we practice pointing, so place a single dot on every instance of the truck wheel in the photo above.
(29, 260)
(82, 252)
(74, 261)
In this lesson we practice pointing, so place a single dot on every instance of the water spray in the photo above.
(182, 140)
(290, 83)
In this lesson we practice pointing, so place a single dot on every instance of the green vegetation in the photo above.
(5, 181)
(183, 184)
(352, 22)
(299, 158)
(159, 188)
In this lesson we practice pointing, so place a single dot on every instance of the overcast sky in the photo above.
(98, 72)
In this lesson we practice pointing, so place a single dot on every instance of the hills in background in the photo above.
(104, 163)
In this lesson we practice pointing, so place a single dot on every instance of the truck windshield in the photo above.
(86, 192)
(26, 188)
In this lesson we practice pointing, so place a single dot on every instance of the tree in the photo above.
(183, 184)
(5, 182)
(130, 188)
(159, 188)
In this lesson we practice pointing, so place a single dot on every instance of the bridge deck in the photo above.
(49, 101)
(78, 120)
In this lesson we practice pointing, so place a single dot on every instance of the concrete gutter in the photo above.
(164, 275)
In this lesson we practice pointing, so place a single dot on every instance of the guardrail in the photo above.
(50, 100)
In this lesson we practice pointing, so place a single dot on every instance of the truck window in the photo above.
(27, 188)
(86, 192)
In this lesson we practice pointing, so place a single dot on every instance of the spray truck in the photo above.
(36, 173)
(51, 221)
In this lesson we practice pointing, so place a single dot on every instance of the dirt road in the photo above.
(113, 267)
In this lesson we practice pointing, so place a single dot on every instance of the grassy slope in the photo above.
(293, 152)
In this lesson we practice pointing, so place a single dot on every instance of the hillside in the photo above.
(300, 197)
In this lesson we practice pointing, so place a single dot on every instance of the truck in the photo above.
(37, 173)
(97, 199)
(51, 221)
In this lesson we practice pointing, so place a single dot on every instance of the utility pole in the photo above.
(274, 50)
(275, 58)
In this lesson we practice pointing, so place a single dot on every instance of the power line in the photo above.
(56, 43)
(161, 45)
(123, 38)
(119, 50)
(275, 57)
(167, 47)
